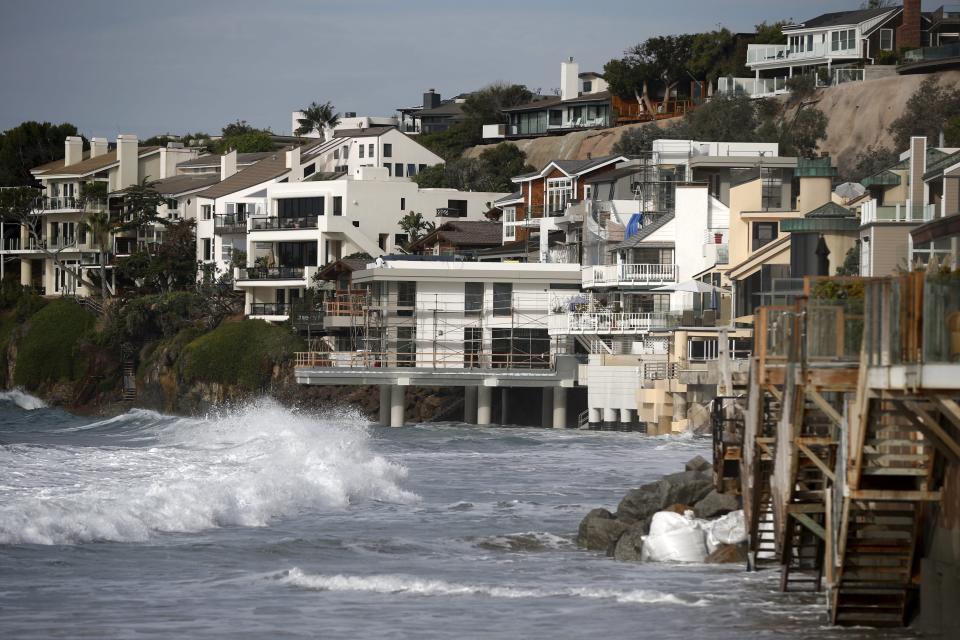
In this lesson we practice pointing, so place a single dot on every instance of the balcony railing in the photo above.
(54, 203)
(629, 274)
(752, 86)
(275, 223)
(764, 53)
(11, 244)
(872, 212)
(230, 223)
(606, 322)
(440, 359)
(272, 273)
(933, 53)
(269, 309)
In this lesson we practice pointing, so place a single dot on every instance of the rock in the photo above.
(728, 553)
(698, 464)
(640, 504)
(715, 504)
(630, 544)
(677, 508)
(600, 530)
(687, 487)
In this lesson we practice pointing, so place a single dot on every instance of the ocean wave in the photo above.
(22, 399)
(409, 585)
(238, 468)
(528, 541)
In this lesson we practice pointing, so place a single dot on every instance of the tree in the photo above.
(851, 262)
(141, 203)
(871, 161)
(253, 142)
(97, 223)
(30, 145)
(639, 140)
(237, 128)
(661, 59)
(171, 266)
(800, 135)
(317, 117)
(927, 113)
(771, 33)
(951, 132)
(415, 226)
(492, 171)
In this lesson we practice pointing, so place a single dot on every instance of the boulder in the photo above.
(630, 545)
(728, 553)
(687, 487)
(715, 504)
(600, 530)
(639, 504)
(698, 464)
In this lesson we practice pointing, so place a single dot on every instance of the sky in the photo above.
(157, 66)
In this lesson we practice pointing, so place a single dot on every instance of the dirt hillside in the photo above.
(859, 115)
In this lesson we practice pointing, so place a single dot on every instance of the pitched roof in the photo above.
(463, 233)
(644, 232)
(616, 174)
(213, 160)
(362, 133)
(589, 97)
(91, 165)
(331, 270)
(542, 103)
(176, 185)
(830, 210)
(265, 170)
(935, 168)
(839, 18)
(55, 164)
(451, 108)
(513, 197)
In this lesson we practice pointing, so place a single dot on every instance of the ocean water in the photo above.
(263, 522)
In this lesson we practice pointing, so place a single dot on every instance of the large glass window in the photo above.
(299, 207)
(559, 192)
(509, 223)
(843, 40)
(502, 298)
(472, 296)
(763, 233)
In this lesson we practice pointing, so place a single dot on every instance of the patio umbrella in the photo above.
(692, 286)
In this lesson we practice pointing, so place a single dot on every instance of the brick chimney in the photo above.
(908, 34)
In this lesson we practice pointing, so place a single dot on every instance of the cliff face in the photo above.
(859, 115)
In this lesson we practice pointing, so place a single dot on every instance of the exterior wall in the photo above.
(691, 224)
(743, 197)
(887, 248)
(814, 192)
(404, 151)
(612, 387)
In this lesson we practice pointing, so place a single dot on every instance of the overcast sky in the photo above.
(147, 67)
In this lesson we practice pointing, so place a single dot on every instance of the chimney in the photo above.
(98, 147)
(569, 79)
(431, 99)
(908, 34)
(128, 151)
(292, 162)
(918, 166)
(228, 164)
(72, 150)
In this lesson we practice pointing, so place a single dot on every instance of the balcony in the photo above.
(611, 323)
(282, 224)
(61, 203)
(615, 275)
(932, 53)
(780, 55)
(230, 223)
(753, 87)
(269, 309)
(271, 273)
(871, 212)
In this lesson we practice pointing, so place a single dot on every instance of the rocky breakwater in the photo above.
(684, 501)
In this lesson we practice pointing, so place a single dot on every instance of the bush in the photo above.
(802, 86)
(242, 353)
(887, 57)
(49, 349)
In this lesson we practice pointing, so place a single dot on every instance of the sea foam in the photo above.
(239, 468)
(22, 399)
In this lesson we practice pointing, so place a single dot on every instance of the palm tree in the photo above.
(317, 117)
(98, 224)
(415, 226)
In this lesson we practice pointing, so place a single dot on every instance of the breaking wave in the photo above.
(409, 585)
(243, 467)
(22, 399)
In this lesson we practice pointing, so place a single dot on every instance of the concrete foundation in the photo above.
(397, 403)
(384, 405)
(470, 405)
(611, 417)
(484, 397)
(546, 408)
(26, 273)
(504, 406)
(560, 408)
(627, 417)
(593, 418)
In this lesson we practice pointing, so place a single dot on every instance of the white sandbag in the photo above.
(729, 529)
(685, 544)
(667, 521)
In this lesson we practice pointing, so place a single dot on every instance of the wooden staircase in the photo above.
(127, 358)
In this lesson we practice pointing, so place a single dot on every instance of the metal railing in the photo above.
(272, 273)
(424, 360)
(269, 309)
(933, 53)
(763, 53)
(908, 212)
(53, 203)
(276, 223)
(752, 86)
(614, 274)
(613, 323)
(230, 223)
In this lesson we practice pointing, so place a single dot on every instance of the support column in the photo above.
(504, 404)
(397, 401)
(384, 405)
(470, 405)
(25, 271)
(610, 418)
(546, 407)
(559, 408)
(483, 405)
(626, 419)
(679, 406)
(594, 418)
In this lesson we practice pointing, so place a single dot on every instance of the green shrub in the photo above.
(49, 349)
(887, 57)
(242, 353)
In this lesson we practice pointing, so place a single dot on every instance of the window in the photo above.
(387, 150)
(361, 150)
(309, 170)
(338, 205)
(763, 233)
(400, 239)
(206, 211)
(587, 86)
(411, 169)
(387, 167)
(456, 209)
(771, 189)
(559, 192)
(556, 117)
(509, 223)
(406, 298)
(82, 234)
(502, 298)
(472, 346)
(472, 296)
(370, 150)
(382, 241)
(345, 152)
(406, 346)
(336, 154)
(299, 207)
(421, 167)
(398, 170)
(207, 249)
(886, 39)
(226, 252)
(403, 204)
(843, 40)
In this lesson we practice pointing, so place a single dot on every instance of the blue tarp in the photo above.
(636, 222)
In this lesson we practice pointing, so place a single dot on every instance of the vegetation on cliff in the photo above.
(50, 349)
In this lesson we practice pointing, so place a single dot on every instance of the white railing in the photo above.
(773, 53)
(607, 322)
(752, 87)
(616, 274)
(872, 212)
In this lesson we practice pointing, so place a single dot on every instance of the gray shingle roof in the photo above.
(464, 233)
(516, 195)
(213, 160)
(175, 185)
(830, 210)
(839, 18)
(644, 232)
